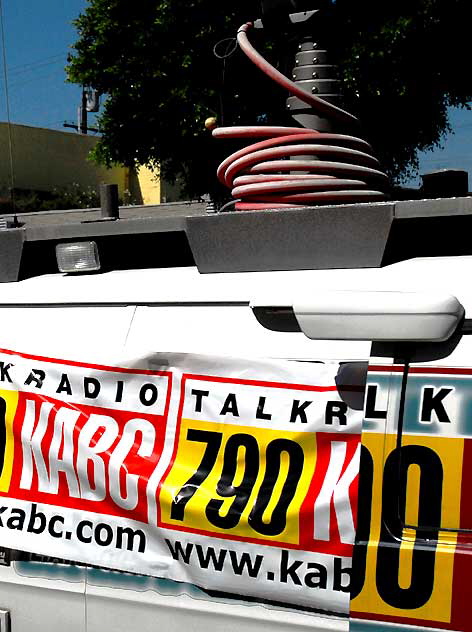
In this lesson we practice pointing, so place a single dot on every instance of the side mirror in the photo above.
(367, 315)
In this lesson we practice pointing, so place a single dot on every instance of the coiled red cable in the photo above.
(341, 168)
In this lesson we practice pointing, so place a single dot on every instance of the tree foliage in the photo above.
(403, 63)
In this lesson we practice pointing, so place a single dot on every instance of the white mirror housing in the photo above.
(377, 316)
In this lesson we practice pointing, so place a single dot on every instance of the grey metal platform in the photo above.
(342, 236)
(348, 236)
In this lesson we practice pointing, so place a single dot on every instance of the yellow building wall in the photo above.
(149, 185)
(45, 159)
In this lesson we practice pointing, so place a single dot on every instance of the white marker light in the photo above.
(80, 256)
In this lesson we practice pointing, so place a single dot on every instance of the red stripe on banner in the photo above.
(231, 380)
(466, 488)
(460, 606)
(433, 370)
(461, 592)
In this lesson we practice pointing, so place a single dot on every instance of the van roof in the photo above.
(187, 286)
(311, 238)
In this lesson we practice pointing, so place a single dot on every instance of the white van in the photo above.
(411, 559)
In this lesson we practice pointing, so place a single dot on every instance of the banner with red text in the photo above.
(237, 476)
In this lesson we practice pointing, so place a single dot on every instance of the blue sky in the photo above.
(38, 35)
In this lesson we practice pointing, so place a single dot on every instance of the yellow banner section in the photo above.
(212, 456)
(11, 403)
(438, 605)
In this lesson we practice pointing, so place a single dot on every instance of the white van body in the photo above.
(179, 310)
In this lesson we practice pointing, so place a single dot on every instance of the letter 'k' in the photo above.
(335, 489)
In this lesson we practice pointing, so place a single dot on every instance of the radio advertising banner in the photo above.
(415, 510)
(237, 476)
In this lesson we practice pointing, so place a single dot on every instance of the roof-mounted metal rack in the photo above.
(348, 236)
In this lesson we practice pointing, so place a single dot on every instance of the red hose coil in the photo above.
(341, 168)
